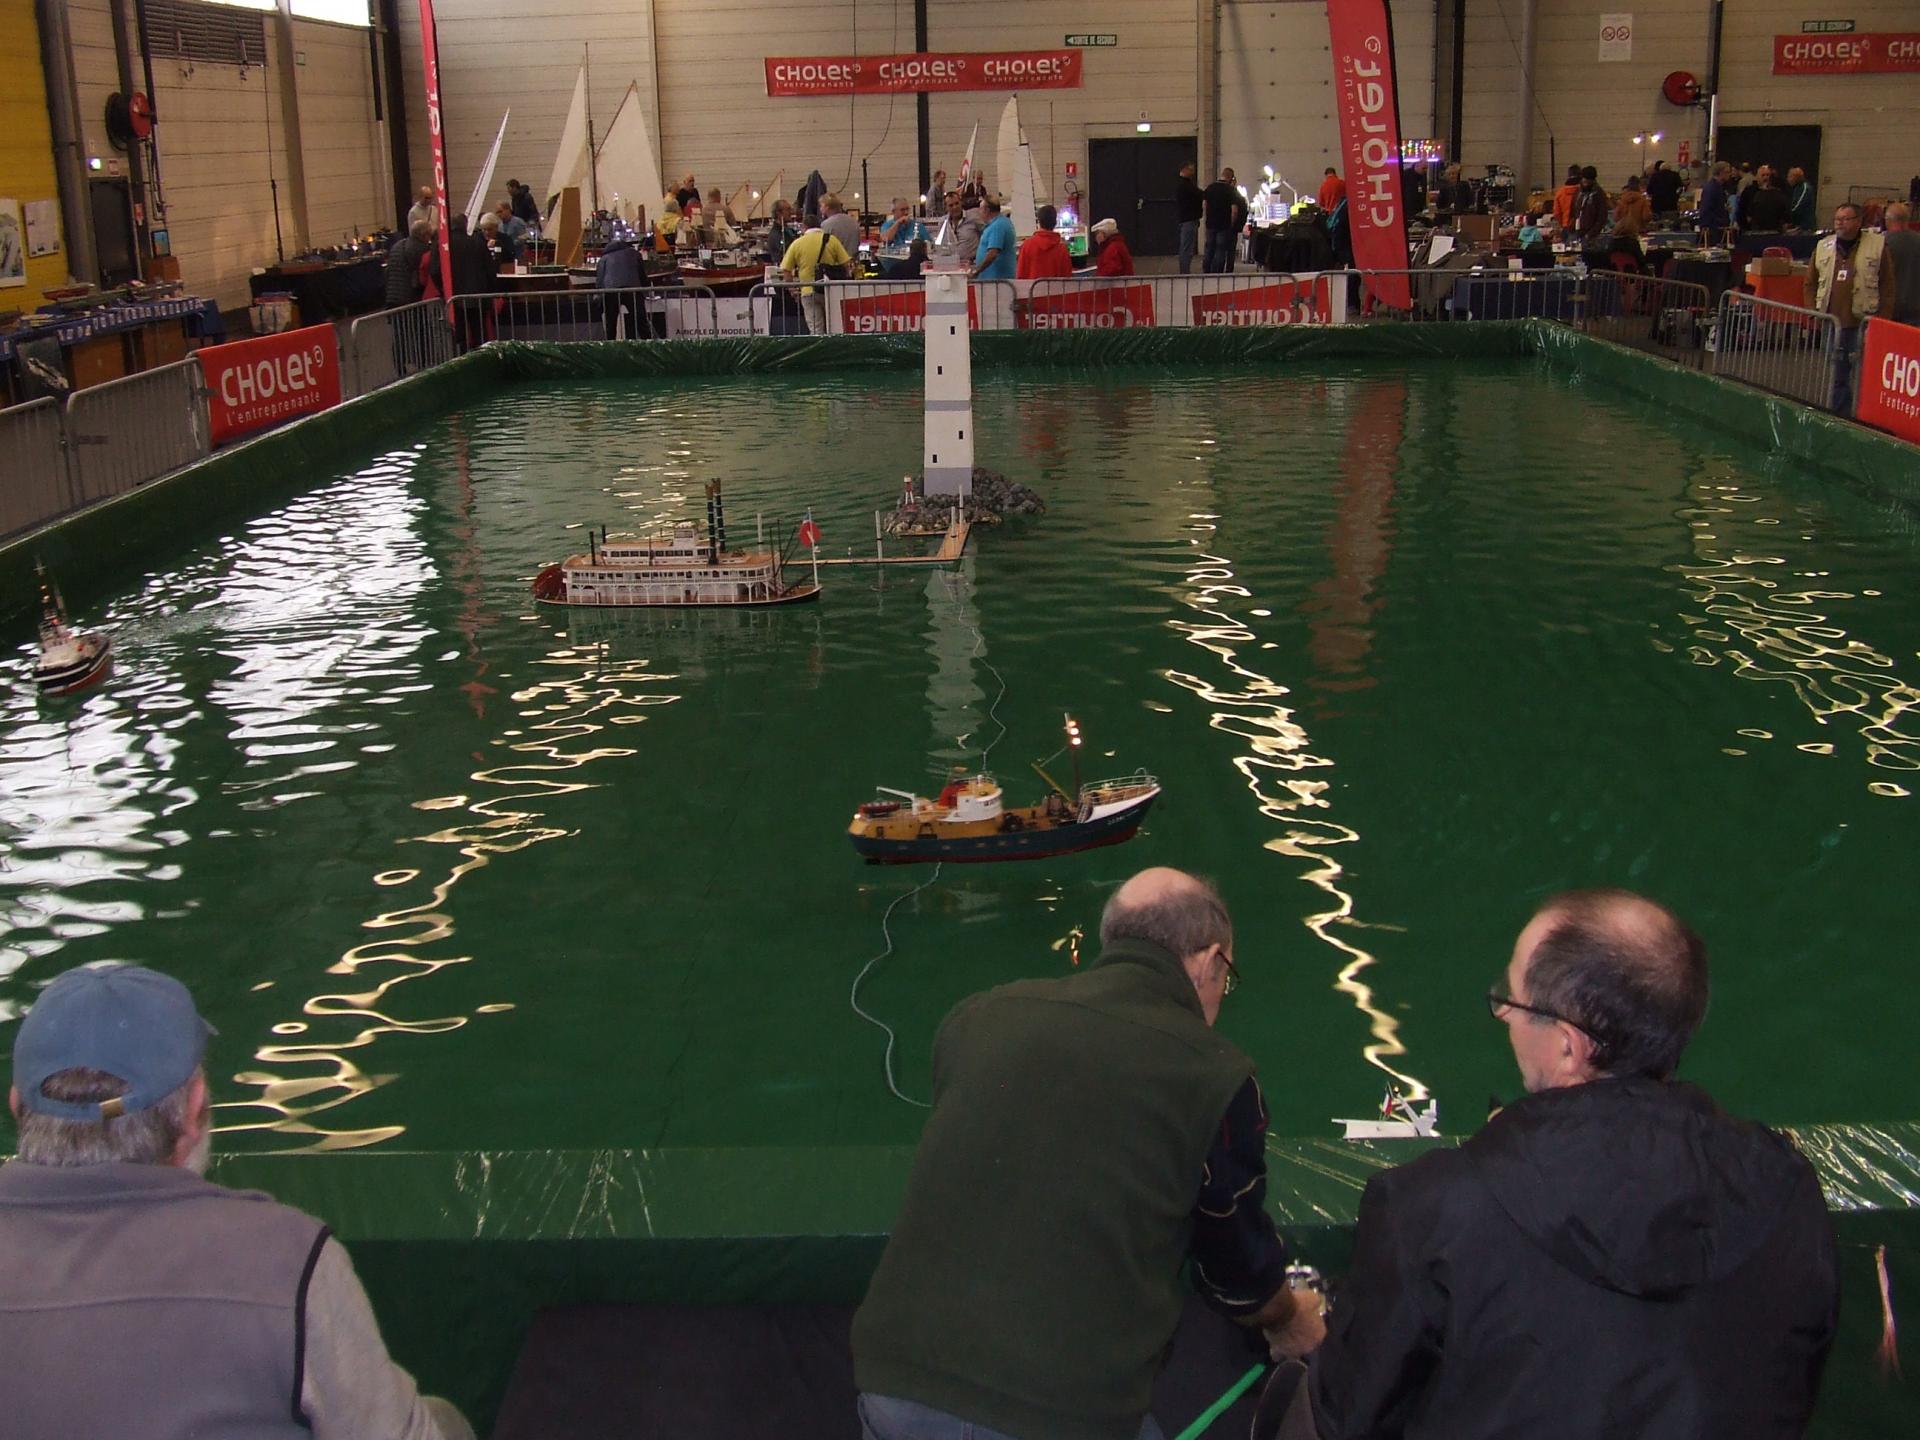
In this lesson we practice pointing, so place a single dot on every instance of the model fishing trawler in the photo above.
(70, 659)
(969, 822)
(684, 568)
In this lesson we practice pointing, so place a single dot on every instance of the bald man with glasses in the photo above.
(1612, 1255)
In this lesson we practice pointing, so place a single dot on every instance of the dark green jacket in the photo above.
(1033, 1278)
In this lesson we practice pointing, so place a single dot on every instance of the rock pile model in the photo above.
(994, 497)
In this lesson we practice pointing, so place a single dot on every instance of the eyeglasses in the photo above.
(1233, 975)
(1499, 1003)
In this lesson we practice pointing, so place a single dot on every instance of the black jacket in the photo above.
(1765, 209)
(1614, 1259)
(1188, 200)
(1663, 191)
(1226, 208)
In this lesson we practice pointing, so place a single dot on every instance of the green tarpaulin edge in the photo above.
(461, 1250)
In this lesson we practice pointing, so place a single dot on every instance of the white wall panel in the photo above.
(1277, 103)
(344, 150)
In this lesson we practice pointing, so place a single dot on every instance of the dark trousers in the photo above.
(1846, 351)
(1219, 259)
(1189, 244)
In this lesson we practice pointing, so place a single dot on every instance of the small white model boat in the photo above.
(1398, 1120)
(70, 659)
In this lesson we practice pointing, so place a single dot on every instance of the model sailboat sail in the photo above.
(486, 172)
(1019, 185)
(626, 172)
(575, 156)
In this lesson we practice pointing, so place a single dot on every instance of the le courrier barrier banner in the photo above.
(1370, 139)
(910, 74)
(1871, 54)
(254, 385)
(1889, 390)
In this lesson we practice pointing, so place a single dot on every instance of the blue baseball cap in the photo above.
(125, 1020)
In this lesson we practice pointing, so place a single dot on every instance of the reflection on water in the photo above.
(1278, 767)
(586, 692)
(1787, 635)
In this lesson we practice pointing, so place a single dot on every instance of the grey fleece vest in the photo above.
(145, 1303)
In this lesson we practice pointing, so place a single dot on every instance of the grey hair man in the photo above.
(839, 224)
(1089, 1133)
(1903, 248)
(1610, 1253)
(213, 1311)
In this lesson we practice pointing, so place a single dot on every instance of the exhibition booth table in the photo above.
(326, 290)
(91, 345)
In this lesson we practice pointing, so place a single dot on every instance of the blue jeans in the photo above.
(1845, 352)
(883, 1417)
(1189, 244)
(1219, 251)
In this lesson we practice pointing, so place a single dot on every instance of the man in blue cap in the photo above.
(138, 1299)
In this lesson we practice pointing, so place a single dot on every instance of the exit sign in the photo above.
(1826, 27)
(1093, 40)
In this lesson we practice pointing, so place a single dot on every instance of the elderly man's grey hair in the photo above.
(146, 1137)
(1180, 913)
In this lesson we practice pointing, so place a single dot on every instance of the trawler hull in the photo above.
(1026, 841)
(89, 667)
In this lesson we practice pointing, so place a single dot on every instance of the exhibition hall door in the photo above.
(1133, 182)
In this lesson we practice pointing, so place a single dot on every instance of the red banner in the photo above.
(1100, 307)
(1873, 54)
(1284, 302)
(1370, 138)
(255, 384)
(430, 54)
(911, 74)
(896, 312)
(1890, 379)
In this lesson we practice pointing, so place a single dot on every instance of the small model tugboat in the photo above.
(1399, 1120)
(685, 568)
(970, 823)
(70, 659)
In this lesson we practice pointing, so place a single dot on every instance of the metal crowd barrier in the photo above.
(1783, 348)
(37, 487)
(126, 432)
(870, 307)
(1668, 318)
(389, 345)
(644, 313)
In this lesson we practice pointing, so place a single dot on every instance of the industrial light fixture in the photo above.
(93, 162)
(1144, 128)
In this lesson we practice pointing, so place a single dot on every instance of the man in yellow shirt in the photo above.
(803, 260)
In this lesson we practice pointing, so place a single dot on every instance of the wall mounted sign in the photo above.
(1616, 37)
(911, 74)
(1100, 40)
(1826, 27)
(1869, 54)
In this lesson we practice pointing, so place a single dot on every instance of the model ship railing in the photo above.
(1137, 780)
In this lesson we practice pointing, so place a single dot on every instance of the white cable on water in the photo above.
(853, 996)
(886, 919)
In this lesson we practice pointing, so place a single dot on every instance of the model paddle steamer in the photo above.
(684, 568)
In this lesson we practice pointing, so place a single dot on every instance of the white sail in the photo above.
(626, 171)
(966, 165)
(570, 163)
(1017, 183)
(486, 173)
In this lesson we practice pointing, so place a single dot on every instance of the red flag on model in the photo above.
(809, 532)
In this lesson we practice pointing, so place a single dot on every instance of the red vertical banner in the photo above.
(430, 53)
(1369, 103)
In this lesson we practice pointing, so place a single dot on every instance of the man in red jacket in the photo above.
(1111, 255)
(1043, 255)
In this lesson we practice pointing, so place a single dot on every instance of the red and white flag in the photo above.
(809, 532)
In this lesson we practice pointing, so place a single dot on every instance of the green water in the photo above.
(1408, 647)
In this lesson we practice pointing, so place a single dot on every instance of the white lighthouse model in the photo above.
(949, 406)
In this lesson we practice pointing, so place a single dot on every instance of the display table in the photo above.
(1715, 275)
(728, 280)
(1500, 295)
(106, 342)
(327, 290)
